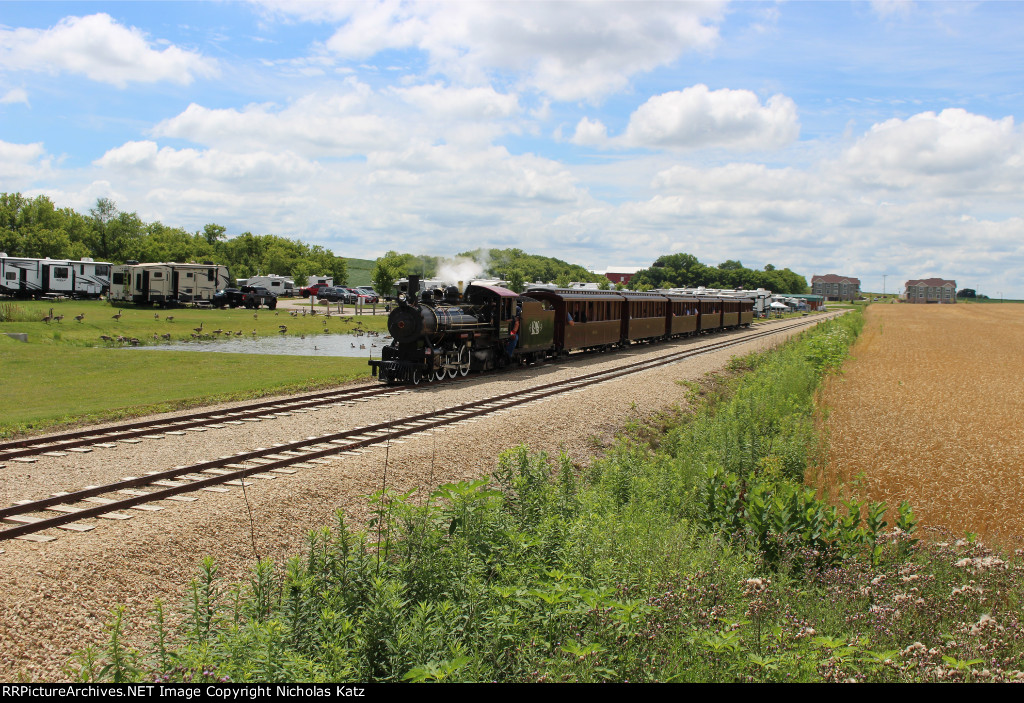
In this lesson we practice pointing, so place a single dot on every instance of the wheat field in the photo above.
(930, 409)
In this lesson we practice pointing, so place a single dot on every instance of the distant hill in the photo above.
(359, 271)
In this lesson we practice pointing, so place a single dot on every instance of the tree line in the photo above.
(520, 269)
(686, 271)
(512, 265)
(36, 228)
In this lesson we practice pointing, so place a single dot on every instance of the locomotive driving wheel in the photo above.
(416, 377)
(464, 360)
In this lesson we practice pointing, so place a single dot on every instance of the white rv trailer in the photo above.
(278, 285)
(167, 284)
(36, 278)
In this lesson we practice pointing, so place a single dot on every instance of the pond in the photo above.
(311, 345)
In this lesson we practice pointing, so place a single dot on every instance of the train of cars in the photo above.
(446, 333)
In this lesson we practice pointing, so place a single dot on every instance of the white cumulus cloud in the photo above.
(336, 124)
(21, 164)
(590, 133)
(698, 117)
(14, 95)
(254, 169)
(101, 49)
(951, 152)
(566, 50)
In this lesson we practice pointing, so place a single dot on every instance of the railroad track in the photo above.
(263, 410)
(89, 439)
(110, 500)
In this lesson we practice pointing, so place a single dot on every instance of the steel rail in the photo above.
(38, 445)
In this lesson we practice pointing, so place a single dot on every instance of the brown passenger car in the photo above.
(584, 319)
(647, 316)
(684, 312)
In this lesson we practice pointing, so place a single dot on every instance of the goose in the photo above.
(80, 317)
(169, 318)
(117, 316)
(48, 317)
(199, 329)
(167, 336)
(156, 316)
(59, 318)
(105, 338)
(283, 330)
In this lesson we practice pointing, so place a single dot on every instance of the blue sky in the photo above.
(862, 138)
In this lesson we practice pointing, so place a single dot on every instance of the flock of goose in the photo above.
(200, 333)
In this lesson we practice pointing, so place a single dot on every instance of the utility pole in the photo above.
(883, 282)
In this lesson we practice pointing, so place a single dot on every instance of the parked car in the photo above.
(255, 296)
(362, 296)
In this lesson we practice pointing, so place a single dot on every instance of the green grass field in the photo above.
(66, 374)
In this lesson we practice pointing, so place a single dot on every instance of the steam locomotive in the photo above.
(449, 332)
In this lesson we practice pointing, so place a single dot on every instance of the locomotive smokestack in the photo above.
(414, 288)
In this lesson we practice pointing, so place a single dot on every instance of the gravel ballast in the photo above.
(57, 596)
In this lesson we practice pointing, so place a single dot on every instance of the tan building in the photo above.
(834, 287)
(931, 290)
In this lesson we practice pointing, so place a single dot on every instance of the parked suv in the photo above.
(255, 296)
(337, 294)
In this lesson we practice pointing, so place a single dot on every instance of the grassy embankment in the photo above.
(66, 373)
(691, 552)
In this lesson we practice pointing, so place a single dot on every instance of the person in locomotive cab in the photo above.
(514, 330)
